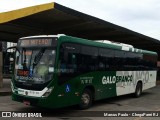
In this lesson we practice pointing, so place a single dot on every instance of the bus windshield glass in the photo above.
(34, 62)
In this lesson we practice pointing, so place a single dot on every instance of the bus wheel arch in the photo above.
(139, 88)
(87, 97)
(92, 89)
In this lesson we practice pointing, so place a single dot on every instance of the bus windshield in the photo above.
(34, 65)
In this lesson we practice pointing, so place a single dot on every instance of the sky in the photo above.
(141, 16)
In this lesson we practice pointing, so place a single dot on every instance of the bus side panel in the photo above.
(69, 93)
(125, 86)
(148, 79)
(60, 98)
(151, 82)
(105, 84)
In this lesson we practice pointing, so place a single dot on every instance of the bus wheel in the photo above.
(138, 90)
(86, 99)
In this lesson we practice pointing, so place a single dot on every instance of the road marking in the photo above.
(158, 109)
(139, 118)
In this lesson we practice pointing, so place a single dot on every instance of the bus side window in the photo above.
(68, 61)
(106, 59)
(119, 58)
(89, 59)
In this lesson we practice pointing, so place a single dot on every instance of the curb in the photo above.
(5, 93)
(158, 83)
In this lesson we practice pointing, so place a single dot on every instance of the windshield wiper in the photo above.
(38, 57)
(24, 59)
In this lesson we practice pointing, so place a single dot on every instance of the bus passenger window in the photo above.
(68, 61)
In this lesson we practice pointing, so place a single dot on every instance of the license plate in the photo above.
(26, 102)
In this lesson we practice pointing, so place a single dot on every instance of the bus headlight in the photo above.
(46, 94)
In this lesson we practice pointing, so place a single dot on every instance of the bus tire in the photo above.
(138, 90)
(86, 99)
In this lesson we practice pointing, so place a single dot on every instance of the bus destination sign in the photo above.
(35, 42)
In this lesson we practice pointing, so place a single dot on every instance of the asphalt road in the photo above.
(149, 101)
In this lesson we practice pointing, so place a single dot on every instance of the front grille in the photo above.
(29, 86)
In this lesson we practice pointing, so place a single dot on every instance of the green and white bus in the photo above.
(54, 71)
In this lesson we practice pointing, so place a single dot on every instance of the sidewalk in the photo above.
(6, 89)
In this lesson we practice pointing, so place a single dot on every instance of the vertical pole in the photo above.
(1, 74)
(1, 66)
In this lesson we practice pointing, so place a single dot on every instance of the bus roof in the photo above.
(98, 43)
(112, 45)
(38, 36)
